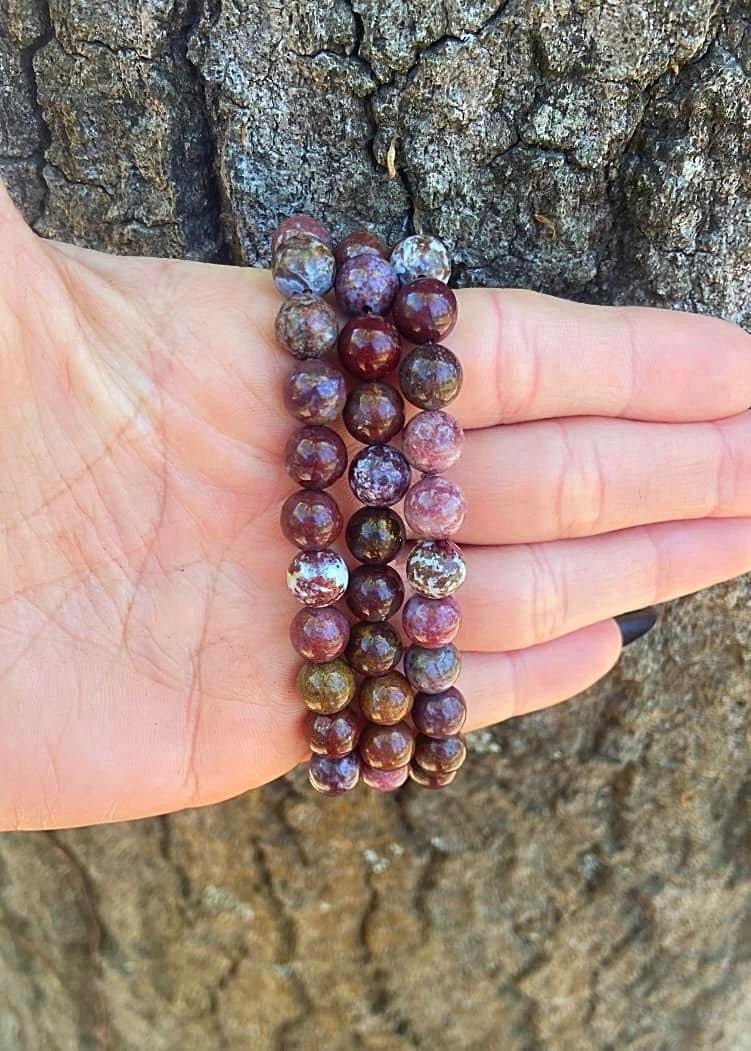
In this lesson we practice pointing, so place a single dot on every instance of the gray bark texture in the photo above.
(587, 884)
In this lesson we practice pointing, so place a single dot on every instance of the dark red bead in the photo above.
(432, 671)
(426, 780)
(306, 326)
(386, 699)
(302, 264)
(311, 519)
(319, 635)
(317, 578)
(315, 457)
(360, 242)
(369, 347)
(439, 714)
(373, 648)
(336, 734)
(383, 780)
(333, 776)
(421, 255)
(375, 592)
(432, 441)
(379, 475)
(440, 755)
(430, 376)
(297, 225)
(375, 534)
(425, 310)
(435, 507)
(387, 747)
(315, 392)
(366, 284)
(431, 621)
(374, 412)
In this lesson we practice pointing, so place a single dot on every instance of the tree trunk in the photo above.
(586, 886)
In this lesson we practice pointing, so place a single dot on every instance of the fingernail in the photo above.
(634, 625)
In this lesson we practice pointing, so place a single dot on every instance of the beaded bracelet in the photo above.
(367, 721)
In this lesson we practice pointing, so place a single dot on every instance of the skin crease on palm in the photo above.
(144, 657)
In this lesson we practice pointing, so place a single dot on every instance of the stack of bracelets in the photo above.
(367, 720)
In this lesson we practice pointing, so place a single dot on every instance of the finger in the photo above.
(549, 480)
(520, 595)
(528, 356)
(499, 686)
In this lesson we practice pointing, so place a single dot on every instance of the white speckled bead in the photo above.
(317, 578)
(421, 256)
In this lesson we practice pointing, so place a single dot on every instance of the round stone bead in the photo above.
(425, 780)
(432, 441)
(334, 775)
(421, 255)
(374, 648)
(311, 519)
(435, 507)
(374, 412)
(369, 347)
(366, 284)
(360, 242)
(432, 671)
(315, 457)
(319, 635)
(328, 687)
(379, 475)
(386, 699)
(306, 326)
(387, 747)
(425, 310)
(384, 780)
(436, 568)
(430, 376)
(300, 225)
(317, 578)
(439, 714)
(375, 592)
(431, 622)
(440, 755)
(302, 264)
(315, 392)
(375, 534)
(335, 734)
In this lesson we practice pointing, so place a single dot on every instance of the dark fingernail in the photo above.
(634, 625)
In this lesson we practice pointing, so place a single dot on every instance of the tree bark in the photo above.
(588, 883)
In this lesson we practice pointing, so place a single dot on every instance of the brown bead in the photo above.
(375, 534)
(375, 592)
(374, 412)
(386, 699)
(440, 755)
(326, 687)
(387, 747)
(360, 242)
(427, 780)
(335, 734)
(306, 326)
(373, 648)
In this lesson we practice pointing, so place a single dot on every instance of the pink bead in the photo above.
(435, 507)
(432, 441)
(431, 622)
(297, 225)
(384, 780)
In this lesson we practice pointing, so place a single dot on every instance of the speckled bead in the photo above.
(387, 747)
(311, 519)
(431, 376)
(315, 392)
(374, 413)
(425, 780)
(306, 326)
(375, 534)
(360, 242)
(440, 755)
(439, 714)
(432, 671)
(432, 441)
(333, 776)
(373, 648)
(379, 475)
(436, 568)
(425, 310)
(315, 457)
(319, 635)
(435, 507)
(421, 255)
(384, 780)
(300, 225)
(375, 592)
(328, 687)
(317, 578)
(431, 622)
(302, 264)
(336, 734)
(366, 284)
(386, 699)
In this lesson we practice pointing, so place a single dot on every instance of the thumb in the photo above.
(11, 219)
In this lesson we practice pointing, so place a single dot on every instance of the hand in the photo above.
(144, 656)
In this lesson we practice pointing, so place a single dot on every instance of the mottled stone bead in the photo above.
(425, 310)
(334, 775)
(335, 734)
(440, 755)
(374, 413)
(306, 326)
(384, 780)
(421, 255)
(435, 507)
(360, 242)
(317, 578)
(366, 284)
(386, 699)
(300, 225)
(315, 392)
(430, 376)
(328, 687)
(302, 264)
(387, 747)
(319, 635)
(374, 648)
(369, 347)
(379, 475)
(315, 457)
(375, 592)
(311, 519)
(431, 622)
(436, 568)
(432, 671)
(432, 441)
(439, 714)
(375, 534)
(425, 780)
